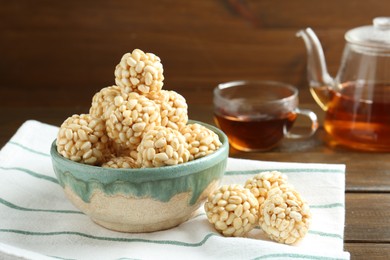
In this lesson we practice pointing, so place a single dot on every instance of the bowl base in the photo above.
(141, 228)
(136, 215)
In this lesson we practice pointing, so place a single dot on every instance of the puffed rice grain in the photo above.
(262, 182)
(140, 72)
(83, 138)
(121, 162)
(284, 216)
(132, 118)
(232, 209)
(162, 146)
(173, 108)
(201, 140)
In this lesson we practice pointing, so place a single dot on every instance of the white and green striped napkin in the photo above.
(38, 222)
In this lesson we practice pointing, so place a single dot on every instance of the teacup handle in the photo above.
(314, 124)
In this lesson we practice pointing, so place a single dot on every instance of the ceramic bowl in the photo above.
(141, 200)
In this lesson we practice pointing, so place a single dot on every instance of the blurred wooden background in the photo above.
(59, 53)
(54, 55)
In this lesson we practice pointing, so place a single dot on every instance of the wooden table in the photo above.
(54, 55)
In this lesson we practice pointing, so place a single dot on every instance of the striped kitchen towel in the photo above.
(38, 222)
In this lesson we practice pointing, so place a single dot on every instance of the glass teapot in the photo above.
(357, 100)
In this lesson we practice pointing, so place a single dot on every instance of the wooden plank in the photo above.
(49, 46)
(325, 15)
(375, 251)
(367, 217)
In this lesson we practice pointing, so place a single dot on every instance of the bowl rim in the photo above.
(146, 174)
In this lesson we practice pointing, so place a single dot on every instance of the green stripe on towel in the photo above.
(324, 234)
(13, 206)
(116, 239)
(319, 233)
(299, 256)
(328, 206)
(34, 174)
(28, 149)
(286, 170)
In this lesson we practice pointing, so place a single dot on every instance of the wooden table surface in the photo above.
(54, 55)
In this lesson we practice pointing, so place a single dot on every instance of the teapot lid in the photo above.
(376, 35)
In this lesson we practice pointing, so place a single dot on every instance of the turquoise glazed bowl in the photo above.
(141, 200)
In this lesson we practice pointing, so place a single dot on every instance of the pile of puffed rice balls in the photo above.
(266, 200)
(135, 123)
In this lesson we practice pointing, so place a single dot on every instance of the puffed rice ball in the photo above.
(82, 138)
(132, 118)
(140, 72)
(232, 209)
(284, 216)
(173, 108)
(103, 101)
(201, 140)
(261, 183)
(121, 162)
(162, 146)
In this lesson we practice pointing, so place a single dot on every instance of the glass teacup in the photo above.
(257, 115)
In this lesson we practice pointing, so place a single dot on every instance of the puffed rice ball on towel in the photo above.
(201, 140)
(103, 101)
(232, 209)
(173, 108)
(82, 138)
(140, 72)
(284, 216)
(162, 146)
(132, 118)
(262, 182)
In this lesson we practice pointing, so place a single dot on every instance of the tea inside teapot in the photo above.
(357, 100)
(359, 115)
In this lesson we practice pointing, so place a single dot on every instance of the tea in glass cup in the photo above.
(257, 115)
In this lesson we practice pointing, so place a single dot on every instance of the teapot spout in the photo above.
(316, 66)
(319, 79)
